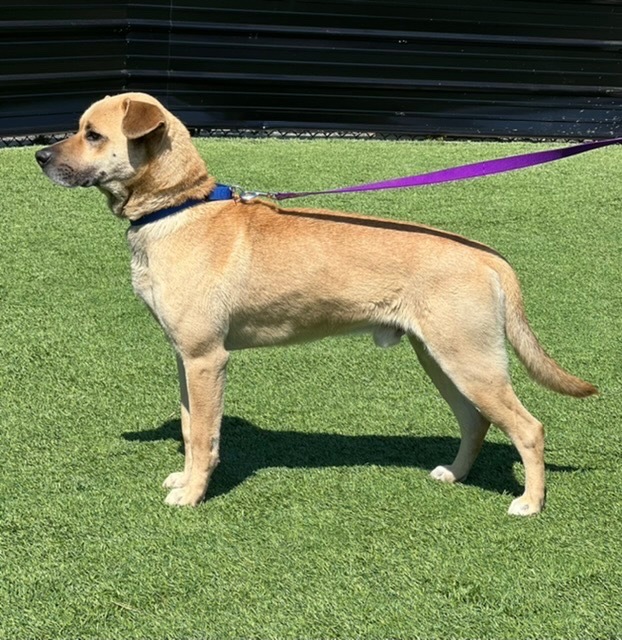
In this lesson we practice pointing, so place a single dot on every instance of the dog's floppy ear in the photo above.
(141, 118)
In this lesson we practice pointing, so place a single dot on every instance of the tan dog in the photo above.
(225, 275)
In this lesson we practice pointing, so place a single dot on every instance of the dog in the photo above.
(222, 275)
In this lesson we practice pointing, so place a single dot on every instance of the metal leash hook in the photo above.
(242, 195)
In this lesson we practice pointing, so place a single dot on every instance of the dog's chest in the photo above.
(142, 279)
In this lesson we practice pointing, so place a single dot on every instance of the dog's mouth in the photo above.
(93, 181)
(66, 176)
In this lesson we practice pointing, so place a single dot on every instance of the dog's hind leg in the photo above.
(473, 425)
(479, 372)
(498, 402)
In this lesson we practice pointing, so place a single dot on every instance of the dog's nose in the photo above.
(43, 156)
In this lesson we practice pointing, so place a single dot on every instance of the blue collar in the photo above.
(221, 192)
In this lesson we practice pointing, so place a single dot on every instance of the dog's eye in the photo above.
(93, 136)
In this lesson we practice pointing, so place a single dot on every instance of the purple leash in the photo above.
(463, 172)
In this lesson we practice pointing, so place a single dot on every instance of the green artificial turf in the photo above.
(321, 521)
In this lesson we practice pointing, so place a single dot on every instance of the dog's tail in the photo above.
(541, 367)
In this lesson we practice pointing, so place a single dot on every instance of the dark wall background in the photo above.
(474, 68)
(56, 58)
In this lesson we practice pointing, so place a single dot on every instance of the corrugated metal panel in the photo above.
(442, 68)
(57, 57)
(477, 68)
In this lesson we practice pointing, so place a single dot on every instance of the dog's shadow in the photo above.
(246, 448)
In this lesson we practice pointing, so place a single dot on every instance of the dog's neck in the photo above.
(170, 178)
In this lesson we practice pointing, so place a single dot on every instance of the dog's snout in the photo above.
(43, 156)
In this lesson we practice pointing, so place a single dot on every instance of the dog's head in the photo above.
(135, 151)
(116, 137)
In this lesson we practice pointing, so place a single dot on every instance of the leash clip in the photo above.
(248, 196)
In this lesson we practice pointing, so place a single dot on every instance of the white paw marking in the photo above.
(521, 507)
(175, 497)
(174, 480)
(443, 474)
(182, 497)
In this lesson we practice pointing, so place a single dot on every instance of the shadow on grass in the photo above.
(246, 448)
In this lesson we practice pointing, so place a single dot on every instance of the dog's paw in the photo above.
(175, 480)
(183, 497)
(443, 474)
(524, 507)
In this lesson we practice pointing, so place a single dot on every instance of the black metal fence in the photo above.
(502, 68)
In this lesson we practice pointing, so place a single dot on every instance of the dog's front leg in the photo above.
(180, 479)
(205, 380)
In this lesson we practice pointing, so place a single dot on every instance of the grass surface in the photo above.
(322, 521)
